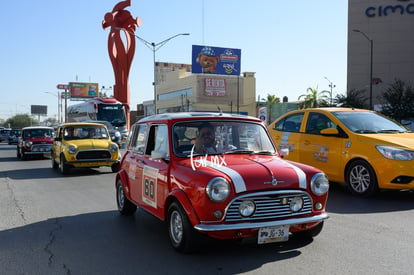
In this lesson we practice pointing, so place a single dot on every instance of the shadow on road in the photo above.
(108, 243)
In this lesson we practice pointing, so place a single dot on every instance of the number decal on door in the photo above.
(149, 182)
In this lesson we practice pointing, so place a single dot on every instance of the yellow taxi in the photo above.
(362, 148)
(84, 145)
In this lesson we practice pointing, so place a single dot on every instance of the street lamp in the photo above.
(331, 85)
(59, 105)
(154, 47)
(370, 67)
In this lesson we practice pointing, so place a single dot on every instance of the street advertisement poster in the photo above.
(82, 90)
(215, 60)
(214, 87)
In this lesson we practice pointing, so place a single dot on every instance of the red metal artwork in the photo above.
(121, 55)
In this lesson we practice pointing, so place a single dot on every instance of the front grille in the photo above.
(269, 205)
(93, 155)
(41, 147)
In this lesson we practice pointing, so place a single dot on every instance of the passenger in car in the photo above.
(205, 139)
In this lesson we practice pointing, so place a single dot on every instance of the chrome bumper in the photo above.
(239, 226)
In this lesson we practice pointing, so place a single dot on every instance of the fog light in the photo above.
(218, 214)
(247, 208)
(296, 204)
(318, 206)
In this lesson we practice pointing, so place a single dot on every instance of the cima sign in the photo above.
(398, 9)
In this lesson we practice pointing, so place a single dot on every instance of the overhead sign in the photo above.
(38, 109)
(63, 87)
(83, 90)
(215, 60)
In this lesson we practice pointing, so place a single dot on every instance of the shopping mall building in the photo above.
(380, 45)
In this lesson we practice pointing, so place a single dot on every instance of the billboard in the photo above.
(38, 109)
(215, 60)
(83, 90)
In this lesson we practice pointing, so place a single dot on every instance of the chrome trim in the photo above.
(239, 226)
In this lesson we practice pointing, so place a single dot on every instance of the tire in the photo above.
(115, 167)
(361, 179)
(183, 236)
(125, 206)
(54, 164)
(19, 156)
(63, 167)
(307, 234)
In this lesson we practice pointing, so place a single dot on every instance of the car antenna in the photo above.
(221, 111)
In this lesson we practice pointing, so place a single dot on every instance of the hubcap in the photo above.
(359, 179)
(176, 227)
(121, 198)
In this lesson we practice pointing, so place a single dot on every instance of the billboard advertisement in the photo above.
(215, 60)
(82, 90)
(38, 110)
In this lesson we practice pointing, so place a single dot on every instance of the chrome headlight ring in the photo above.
(319, 184)
(218, 189)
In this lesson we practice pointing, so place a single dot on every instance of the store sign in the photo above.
(399, 9)
(214, 87)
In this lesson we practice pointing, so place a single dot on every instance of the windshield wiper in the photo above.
(390, 131)
(360, 131)
(240, 151)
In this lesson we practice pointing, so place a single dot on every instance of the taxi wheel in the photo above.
(125, 206)
(63, 167)
(182, 235)
(361, 179)
(115, 167)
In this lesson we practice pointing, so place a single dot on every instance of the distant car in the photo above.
(4, 134)
(362, 148)
(35, 141)
(84, 145)
(218, 175)
(14, 136)
(113, 131)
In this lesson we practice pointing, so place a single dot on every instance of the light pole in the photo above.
(154, 47)
(370, 67)
(331, 85)
(59, 105)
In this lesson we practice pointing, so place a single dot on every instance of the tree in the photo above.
(398, 101)
(353, 99)
(20, 121)
(314, 99)
(271, 100)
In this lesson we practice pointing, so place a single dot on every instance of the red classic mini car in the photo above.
(218, 175)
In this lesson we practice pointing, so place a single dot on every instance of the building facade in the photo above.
(178, 90)
(380, 46)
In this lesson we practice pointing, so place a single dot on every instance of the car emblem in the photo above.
(274, 181)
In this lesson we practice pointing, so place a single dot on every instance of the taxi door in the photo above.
(321, 151)
(286, 134)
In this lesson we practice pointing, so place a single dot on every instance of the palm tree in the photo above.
(271, 100)
(314, 99)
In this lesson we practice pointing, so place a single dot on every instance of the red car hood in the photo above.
(250, 173)
(42, 140)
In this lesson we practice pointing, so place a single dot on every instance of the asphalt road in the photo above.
(54, 224)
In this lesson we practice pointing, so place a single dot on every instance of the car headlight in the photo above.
(218, 189)
(72, 149)
(27, 143)
(247, 208)
(319, 184)
(118, 134)
(114, 148)
(296, 204)
(395, 153)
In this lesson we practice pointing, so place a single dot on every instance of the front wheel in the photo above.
(115, 167)
(54, 164)
(63, 167)
(183, 237)
(361, 179)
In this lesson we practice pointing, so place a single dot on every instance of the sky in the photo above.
(290, 45)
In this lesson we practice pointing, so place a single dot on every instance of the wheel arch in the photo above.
(123, 176)
(180, 197)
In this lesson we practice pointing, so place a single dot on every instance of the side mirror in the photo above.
(329, 132)
(284, 152)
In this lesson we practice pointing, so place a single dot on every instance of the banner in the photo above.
(82, 90)
(215, 60)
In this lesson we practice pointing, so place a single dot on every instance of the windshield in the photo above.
(38, 133)
(85, 132)
(114, 113)
(368, 123)
(220, 137)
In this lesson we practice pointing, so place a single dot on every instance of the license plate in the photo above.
(273, 234)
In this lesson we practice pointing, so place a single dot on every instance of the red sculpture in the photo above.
(121, 56)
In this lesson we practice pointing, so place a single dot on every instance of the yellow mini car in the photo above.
(81, 145)
(362, 148)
